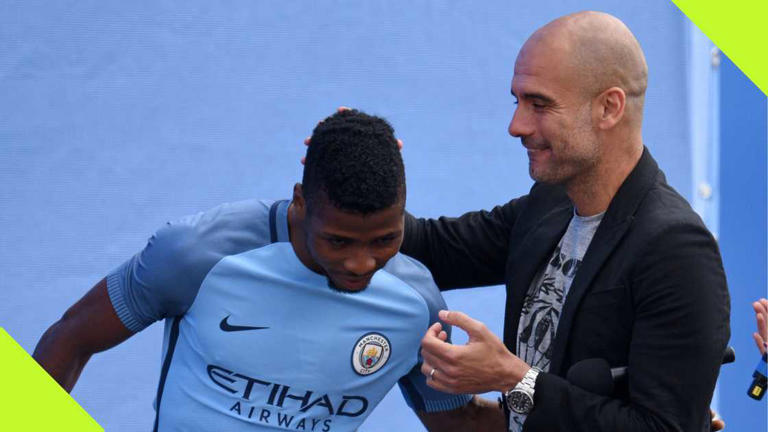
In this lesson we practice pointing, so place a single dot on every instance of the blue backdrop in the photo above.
(743, 158)
(118, 116)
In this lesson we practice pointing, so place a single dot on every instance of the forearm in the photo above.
(89, 326)
(467, 251)
(59, 357)
(478, 415)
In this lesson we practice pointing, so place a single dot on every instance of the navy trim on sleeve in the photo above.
(411, 394)
(278, 221)
(273, 222)
(166, 366)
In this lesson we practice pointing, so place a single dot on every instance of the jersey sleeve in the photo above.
(418, 395)
(160, 281)
(163, 279)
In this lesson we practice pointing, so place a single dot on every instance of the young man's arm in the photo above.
(478, 415)
(89, 326)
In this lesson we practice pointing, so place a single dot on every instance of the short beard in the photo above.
(578, 164)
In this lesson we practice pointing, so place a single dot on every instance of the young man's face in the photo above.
(351, 247)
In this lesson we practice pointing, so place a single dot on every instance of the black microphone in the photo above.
(729, 356)
(596, 375)
(593, 375)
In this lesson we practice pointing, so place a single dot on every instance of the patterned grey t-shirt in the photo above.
(546, 295)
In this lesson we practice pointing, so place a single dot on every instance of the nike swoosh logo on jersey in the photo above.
(227, 327)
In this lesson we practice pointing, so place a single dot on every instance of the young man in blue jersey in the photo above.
(295, 315)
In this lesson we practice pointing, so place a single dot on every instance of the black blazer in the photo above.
(650, 294)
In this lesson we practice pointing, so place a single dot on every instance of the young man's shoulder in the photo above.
(164, 278)
(416, 275)
(226, 229)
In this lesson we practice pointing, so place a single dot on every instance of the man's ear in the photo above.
(298, 198)
(610, 105)
(299, 204)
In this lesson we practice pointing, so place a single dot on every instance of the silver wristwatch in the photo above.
(520, 398)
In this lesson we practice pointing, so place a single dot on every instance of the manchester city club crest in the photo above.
(370, 354)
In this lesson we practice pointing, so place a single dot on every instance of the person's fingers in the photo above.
(758, 307)
(435, 384)
(439, 353)
(426, 369)
(431, 371)
(307, 140)
(431, 360)
(760, 342)
(303, 160)
(443, 336)
(438, 380)
(761, 306)
(400, 144)
(433, 346)
(343, 108)
(435, 329)
(473, 327)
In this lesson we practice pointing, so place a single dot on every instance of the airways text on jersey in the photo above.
(281, 405)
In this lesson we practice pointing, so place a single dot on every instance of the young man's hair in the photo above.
(354, 163)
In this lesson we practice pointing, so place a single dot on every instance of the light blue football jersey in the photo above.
(254, 340)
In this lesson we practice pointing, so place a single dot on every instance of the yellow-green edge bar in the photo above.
(30, 400)
(739, 28)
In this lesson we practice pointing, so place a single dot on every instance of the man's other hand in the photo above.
(483, 364)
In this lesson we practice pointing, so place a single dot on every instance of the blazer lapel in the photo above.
(534, 250)
(605, 240)
(617, 219)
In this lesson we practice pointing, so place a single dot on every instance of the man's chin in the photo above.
(538, 175)
(541, 175)
(349, 286)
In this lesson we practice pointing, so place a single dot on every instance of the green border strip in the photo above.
(739, 28)
(30, 400)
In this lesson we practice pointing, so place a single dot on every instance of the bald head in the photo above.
(598, 52)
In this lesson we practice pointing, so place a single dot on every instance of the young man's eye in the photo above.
(383, 241)
(337, 242)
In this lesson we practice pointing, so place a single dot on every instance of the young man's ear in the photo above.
(299, 204)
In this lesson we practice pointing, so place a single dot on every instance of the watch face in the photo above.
(519, 402)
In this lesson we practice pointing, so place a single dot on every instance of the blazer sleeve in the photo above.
(467, 251)
(679, 334)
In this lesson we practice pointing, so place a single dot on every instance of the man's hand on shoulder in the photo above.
(342, 108)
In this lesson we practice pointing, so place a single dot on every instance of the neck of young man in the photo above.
(298, 240)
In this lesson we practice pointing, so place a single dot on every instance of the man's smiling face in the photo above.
(553, 114)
